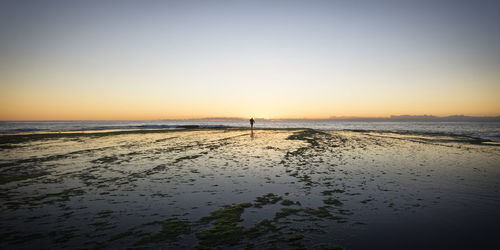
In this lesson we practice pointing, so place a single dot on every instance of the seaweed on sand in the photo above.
(171, 229)
(331, 201)
(23, 138)
(36, 160)
(321, 212)
(330, 192)
(316, 142)
(189, 157)
(266, 199)
(285, 212)
(7, 179)
(61, 196)
(104, 214)
(307, 135)
(261, 228)
(226, 230)
(105, 159)
(287, 202)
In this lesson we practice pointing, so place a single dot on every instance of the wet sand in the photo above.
(223, 188)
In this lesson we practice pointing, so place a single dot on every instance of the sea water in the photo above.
(483, 130)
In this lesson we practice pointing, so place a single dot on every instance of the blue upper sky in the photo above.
(180, 59)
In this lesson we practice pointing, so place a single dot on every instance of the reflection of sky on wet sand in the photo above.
(94, 187)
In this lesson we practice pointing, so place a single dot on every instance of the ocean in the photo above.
(484, 130)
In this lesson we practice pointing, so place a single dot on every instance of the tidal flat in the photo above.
(229, 189)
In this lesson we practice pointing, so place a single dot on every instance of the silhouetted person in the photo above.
(252, 121)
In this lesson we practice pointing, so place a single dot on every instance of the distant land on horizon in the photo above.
(423, 118)
(393, 118)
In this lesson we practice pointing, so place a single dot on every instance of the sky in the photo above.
(134, 60)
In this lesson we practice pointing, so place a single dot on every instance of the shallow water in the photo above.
(156, 189)
(487, 130)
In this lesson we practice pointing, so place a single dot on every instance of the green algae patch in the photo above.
(330, 192)
(221, 234)
(261, 228)
(105, 159)
(189, 157)
(285, 212)
(62, 196)
(331, 201)
(269, 198)
(287, 203)
(38, 160)
(104, 214)
(310, 136)
(7, 179)
(226, 230)
(307, 135)
(51, 198)
(101, 225)
(321, 212)
(12, 139)
(171, 229)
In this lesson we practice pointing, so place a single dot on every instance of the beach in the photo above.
(230, 188)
